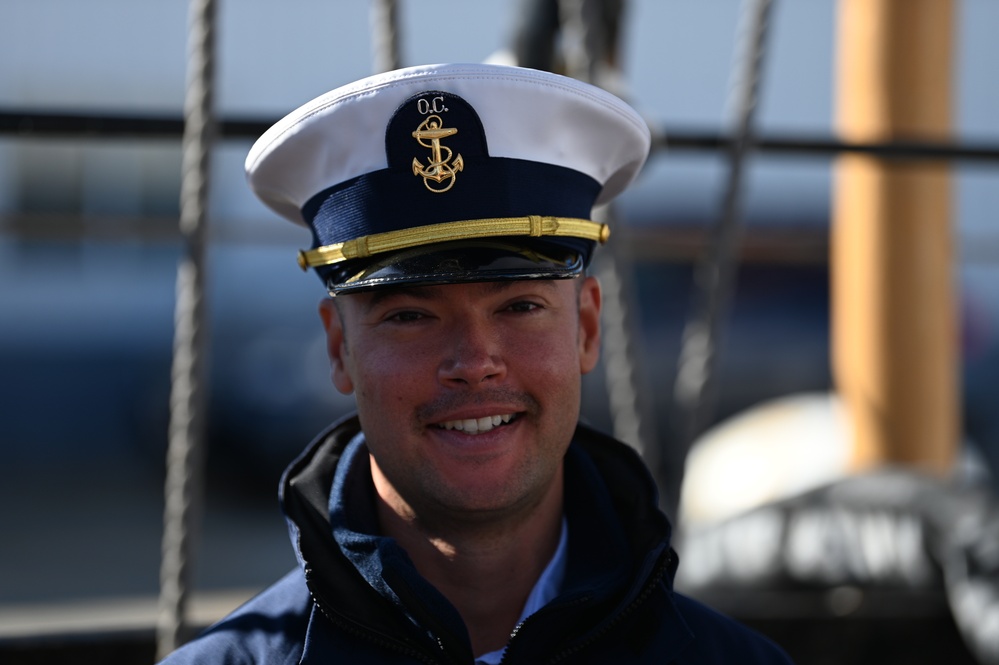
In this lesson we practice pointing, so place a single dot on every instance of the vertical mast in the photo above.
(895, 330)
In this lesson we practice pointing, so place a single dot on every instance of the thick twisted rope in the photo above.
(586, 38)
(385, 35)
(185, 454)
(696, 379)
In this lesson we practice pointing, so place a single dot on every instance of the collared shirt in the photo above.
(545, 589)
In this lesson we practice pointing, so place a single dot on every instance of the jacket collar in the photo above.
(618, 546)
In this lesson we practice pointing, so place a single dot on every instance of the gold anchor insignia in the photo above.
(438, 169)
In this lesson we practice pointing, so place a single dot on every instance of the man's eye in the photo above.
(524, 306)
(405, 317)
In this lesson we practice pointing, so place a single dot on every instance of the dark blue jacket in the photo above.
(356, 597)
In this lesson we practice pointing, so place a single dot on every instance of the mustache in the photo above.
(435, 410)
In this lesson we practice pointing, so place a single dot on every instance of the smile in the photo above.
(476, 425)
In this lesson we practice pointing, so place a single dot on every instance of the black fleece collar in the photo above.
(617, 538)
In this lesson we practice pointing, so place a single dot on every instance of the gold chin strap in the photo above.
(391, 241)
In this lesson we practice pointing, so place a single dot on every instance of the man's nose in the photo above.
(473, 355)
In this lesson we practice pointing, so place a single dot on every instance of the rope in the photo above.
(625, 383)
(696, 379)
(583, 38)
(589, 30)
(586, 38)
(185, 454)
(385, 35)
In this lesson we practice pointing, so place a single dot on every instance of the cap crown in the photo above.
(401, 157)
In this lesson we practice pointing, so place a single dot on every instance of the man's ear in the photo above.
(589, 324)
(336, 346)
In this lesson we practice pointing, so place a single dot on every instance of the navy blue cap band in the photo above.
(392, 199)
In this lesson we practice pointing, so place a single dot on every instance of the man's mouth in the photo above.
(477, 425)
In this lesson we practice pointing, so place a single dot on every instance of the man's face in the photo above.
(468, 393)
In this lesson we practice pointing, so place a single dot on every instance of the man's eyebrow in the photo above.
(379, 296)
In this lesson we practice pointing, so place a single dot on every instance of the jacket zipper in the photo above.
(578, 601)
(658, 573)
(373, 636)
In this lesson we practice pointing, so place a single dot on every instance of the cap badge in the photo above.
(429, 135)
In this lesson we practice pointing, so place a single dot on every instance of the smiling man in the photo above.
(464, 515)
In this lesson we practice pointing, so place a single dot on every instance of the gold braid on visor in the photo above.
(377, 243)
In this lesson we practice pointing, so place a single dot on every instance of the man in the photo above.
(463, 514)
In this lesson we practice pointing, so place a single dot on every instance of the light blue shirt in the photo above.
(545, 589)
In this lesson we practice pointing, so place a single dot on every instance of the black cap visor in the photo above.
(459, 262)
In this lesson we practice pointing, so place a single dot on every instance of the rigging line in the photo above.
(37, 123)
(588, 39)
(696, 379)
(386, 52)
(188, 397)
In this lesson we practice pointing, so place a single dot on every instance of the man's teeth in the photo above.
(476, 425)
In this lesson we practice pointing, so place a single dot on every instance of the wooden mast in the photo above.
(895, 329)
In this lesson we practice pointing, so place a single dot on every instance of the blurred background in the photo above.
(89, 249)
